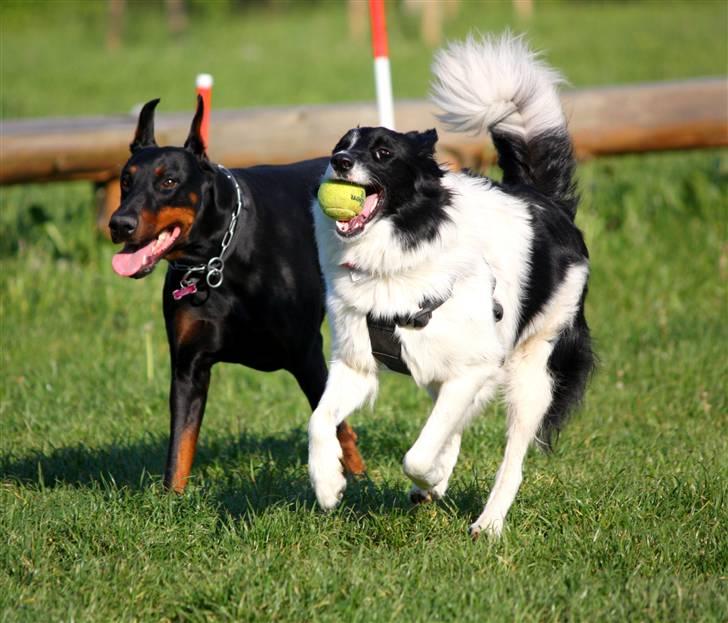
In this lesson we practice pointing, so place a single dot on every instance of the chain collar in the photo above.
(213, 269)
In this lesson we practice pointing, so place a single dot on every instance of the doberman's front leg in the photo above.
(189, 343)
(350, 457)
(187, 398)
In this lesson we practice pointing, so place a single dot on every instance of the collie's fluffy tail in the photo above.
(500, 85)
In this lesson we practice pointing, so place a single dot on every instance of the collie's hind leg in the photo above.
(529, 394)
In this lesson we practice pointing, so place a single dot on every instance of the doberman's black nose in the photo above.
(342, 162)
(122, 226)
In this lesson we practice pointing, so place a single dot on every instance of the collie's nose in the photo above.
(122, 226)
(342, 162)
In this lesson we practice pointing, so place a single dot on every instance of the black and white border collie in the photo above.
(470, 244)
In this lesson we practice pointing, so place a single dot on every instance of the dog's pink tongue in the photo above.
(369, 204)
(128, 264)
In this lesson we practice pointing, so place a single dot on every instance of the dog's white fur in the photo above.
(463, 355)
(481, 83)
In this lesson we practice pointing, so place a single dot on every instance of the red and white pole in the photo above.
(204, 88)
(382, 72)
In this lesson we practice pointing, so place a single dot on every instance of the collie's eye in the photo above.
(382, 154)
(169, 183)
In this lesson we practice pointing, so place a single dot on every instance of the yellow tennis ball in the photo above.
(341, 200)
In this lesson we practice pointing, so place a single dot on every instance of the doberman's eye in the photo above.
(381, 154)
(125, 182)
(169, 183)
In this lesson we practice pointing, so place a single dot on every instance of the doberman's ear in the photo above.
(195, 142)
(425, 141)
(144, 136)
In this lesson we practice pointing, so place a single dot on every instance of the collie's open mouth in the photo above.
(372, 206)
(138, 261)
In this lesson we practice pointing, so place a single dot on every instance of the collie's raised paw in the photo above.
(422, 496)
(425, 474)
(419, 496)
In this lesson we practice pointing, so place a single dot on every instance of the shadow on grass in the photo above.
(252, 473)
(126, 465)
(243, 475)
(133, 465)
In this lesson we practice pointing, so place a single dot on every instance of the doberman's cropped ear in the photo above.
(425, 141)
(144, 136)
(195, 142)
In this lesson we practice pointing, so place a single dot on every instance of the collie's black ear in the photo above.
(425, 141)
(194, 142)
(144, 135)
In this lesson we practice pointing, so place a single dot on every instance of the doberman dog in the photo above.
(243, 283)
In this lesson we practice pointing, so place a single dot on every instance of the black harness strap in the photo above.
(387, 349)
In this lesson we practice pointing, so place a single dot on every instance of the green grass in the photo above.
(55, 61)
(625, 522)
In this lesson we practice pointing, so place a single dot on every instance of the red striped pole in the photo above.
(203, 84)
(382, 72)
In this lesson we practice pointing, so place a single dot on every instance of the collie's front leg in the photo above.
(346, 390)
(429, 462)
(447, 458)
(446, 461)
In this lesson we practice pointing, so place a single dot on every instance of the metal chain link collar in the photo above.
(213, 269)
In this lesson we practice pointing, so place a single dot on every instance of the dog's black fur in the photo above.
(268, 310)
(541, 172)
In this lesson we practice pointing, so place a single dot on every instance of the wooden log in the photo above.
(649, 117)
(611, 120)
(108, 199)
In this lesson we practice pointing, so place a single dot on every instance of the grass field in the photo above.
(625, 522)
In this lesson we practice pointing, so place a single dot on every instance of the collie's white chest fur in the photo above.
(481, 254)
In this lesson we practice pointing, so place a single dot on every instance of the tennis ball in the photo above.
(341, 200)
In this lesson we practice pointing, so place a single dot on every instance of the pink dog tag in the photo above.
(184, 291)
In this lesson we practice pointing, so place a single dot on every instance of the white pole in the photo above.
(385, 101)
(382, 72)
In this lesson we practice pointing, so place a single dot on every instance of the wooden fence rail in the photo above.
(611, 120)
